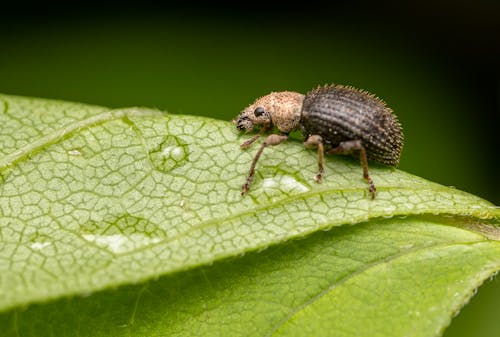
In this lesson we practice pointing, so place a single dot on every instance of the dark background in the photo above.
(436, 63)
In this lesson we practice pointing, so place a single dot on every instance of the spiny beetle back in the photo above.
(339, 113)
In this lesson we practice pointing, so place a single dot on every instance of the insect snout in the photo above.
(244, 123)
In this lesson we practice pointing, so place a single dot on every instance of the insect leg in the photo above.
(350, 146)
(250, 141)
(270, 140)
(312, 142)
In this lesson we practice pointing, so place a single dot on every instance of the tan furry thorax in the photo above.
(281, 109)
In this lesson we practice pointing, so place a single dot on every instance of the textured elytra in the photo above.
(339, 113)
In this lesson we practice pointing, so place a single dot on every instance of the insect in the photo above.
(334, 119)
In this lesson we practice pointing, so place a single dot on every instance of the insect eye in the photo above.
(259, 111)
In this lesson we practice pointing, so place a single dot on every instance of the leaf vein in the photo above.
(352, 275)
(66, 130)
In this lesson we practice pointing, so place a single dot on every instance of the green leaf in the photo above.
(91, 199)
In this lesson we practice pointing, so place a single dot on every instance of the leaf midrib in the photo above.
(370, 214)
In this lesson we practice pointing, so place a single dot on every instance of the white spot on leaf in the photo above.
(74, 152)
(39, 245)
(285, 183)
(118, 243)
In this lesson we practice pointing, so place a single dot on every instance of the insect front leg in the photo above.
(350, 146)
(312, 142)
(270, 140)
(250, 141)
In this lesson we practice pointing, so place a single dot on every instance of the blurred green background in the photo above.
(435, 63)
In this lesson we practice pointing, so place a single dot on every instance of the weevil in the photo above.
(335, 119)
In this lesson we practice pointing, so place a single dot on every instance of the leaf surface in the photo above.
(92, 198)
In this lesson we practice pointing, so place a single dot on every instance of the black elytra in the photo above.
(336, 119)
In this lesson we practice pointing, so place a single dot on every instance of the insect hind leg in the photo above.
(350, 146)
